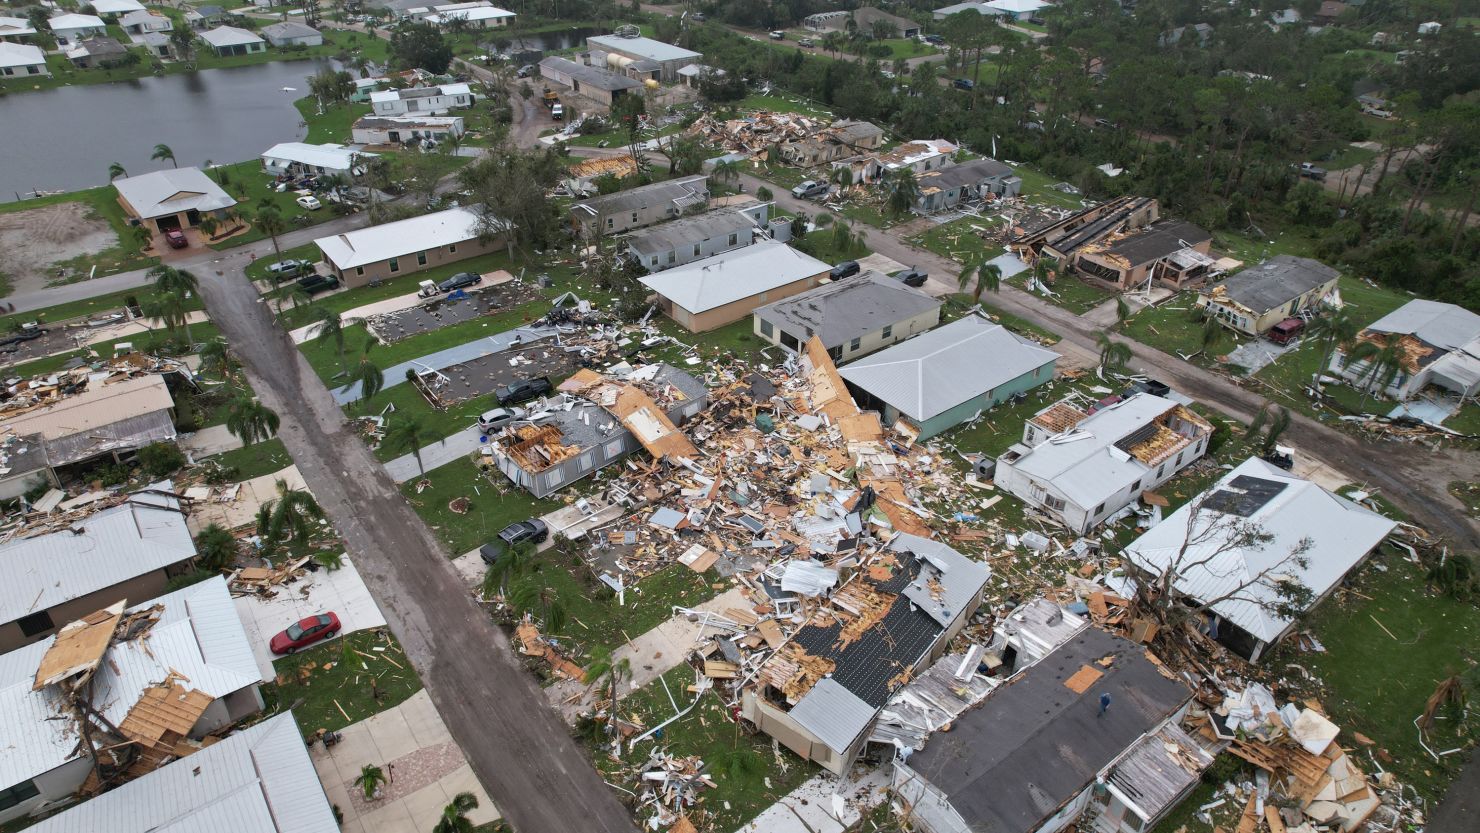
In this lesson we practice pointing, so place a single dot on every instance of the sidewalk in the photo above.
(434, 456)
(825, 804)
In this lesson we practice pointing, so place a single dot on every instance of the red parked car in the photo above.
(305, 632)
(176, 238)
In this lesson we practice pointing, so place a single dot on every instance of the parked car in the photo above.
(934, 40)
(1286, 331)
(533, 531)
(314, 284)
(846, 269)
(557, 112)
(778, 35)
(523, 391)
(807, 43)
(964, 84)
(305, 632)
(460, 280)
(1105, 124)
(913, 277)
(699, 16)
(810, 190)
(525, 71)
(290, 268)
(176, 238)
(498, 418)
(803, 187)
(1310, 171)
(309, 202)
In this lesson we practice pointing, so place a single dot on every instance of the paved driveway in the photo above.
(342, 591)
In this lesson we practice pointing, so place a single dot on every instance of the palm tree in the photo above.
(1213, 335)
(1384, 363)
(330, 326)
(904, 189)
(511, 564)
(1113, 354)
(295, 295)
(726, 171)
(293, 515)
(169, 310)
(988, 276)
(162, 151)
(408, 434)
(532, 594)
(1122, 310)
(369, 377)
(116, 171)
(215, 546)
(454, 816)
(172, 281)
(1043, 267)
(610, 671)
(1332, 331)
(832, 42)
(370, 779)
(271, 223)
(216, 358)
(208, 226)
(250, 420)
(143, 236)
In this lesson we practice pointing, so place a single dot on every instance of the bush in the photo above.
(161, 459)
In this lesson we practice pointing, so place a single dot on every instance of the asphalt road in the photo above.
(517, 745)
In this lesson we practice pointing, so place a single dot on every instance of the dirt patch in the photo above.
(33, 242)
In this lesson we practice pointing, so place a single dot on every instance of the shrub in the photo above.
(161, 459)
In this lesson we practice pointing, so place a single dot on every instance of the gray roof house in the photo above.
(970, 181)
(652, 58)
(1080, 466)
(641, 206)
(1263, 295)
(853, 317)
(930, 592)
(945, 377)
(257, 780)
(1292, 511)
(592, 82)
(1440, 345)
(193, 655)
(1029, 756)
(687, 239)
(173, 197)
(292, 33)
(233, 40)
(727, 287)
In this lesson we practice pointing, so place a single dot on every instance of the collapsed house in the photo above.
(799, 139)
(820, 691)
(968, 183)
(918, 157)
(258, 780)
(1261, 296)
(87, 557)
(1087, 727)
(1122, 243)
(600, 421)
(117, 694)
(939, 379)
(1080, 467)
(840, 140)
(1305, 534)
(1438, 344)
(639, 207)
(81, 416)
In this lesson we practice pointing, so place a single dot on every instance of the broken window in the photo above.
(35, 623)
(24, 791)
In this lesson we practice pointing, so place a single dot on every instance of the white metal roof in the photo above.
(725, 278)
(469, 12)
(653, 50)
(116, 6)
(20, 54)
(109, 547)
(1017, 6)
(938, 370)
(403, 237)
(1340, 532)
(143, 16)
(258, 780)
(10, 26)
(1442, 325)
(331, 156)
(76, 21)
(289, 29)
(229, 36)
(979, 8)
(197, 635)
(170, 191)
(1090, 470)
(832, 713)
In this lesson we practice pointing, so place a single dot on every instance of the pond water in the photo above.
(64, 139)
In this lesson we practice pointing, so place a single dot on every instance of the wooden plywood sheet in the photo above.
(79, 646)
(1083, 679)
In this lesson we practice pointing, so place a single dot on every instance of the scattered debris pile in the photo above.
(669, 786)
(533, 644)
(756, 133)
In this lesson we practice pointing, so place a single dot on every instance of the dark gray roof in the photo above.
(966, 173)
(1276, 281)
(590, 76)
(1034, 743)
(841, 311)
(687, 384)
(1158, 240)
(687, 231)
(673, 190)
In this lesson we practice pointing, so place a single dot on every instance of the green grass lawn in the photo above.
(782, 104)
(355, 675)
(742, 792)
(1072, 293)
(820, 244)
(98, 305)
(1251, 249)
(1036, 189)
(1386, 650)
(907, 48)
(255, 460)
(101, 203)
(958, 241)
(253, 189)
(332, 125)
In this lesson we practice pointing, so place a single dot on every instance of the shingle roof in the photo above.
(112, 546)
(258, 780)
(1158, 240)
(171, 191)
(936, 371)
(680, 192)
(1290, 509)
(388, 240)
(841, 311)
(966, 173)
(198, 635)
(1276, 282)
(725, 278)
(1011, 761)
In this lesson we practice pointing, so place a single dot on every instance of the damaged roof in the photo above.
(841, 311)
(1036, 742)
(681, 192)
(938, 370)
(1445, 326)
(1274, 283)
(1158, 240)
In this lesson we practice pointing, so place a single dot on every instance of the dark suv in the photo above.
(313, 284)
(523, 391)
(846, 269)
(533, 530)
(913, 277)
(460, 280)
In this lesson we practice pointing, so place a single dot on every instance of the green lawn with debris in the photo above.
(342, 681)
(256, 460)
(959, 240)
(751, 772)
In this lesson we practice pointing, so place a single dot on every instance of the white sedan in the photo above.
(311, 203)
